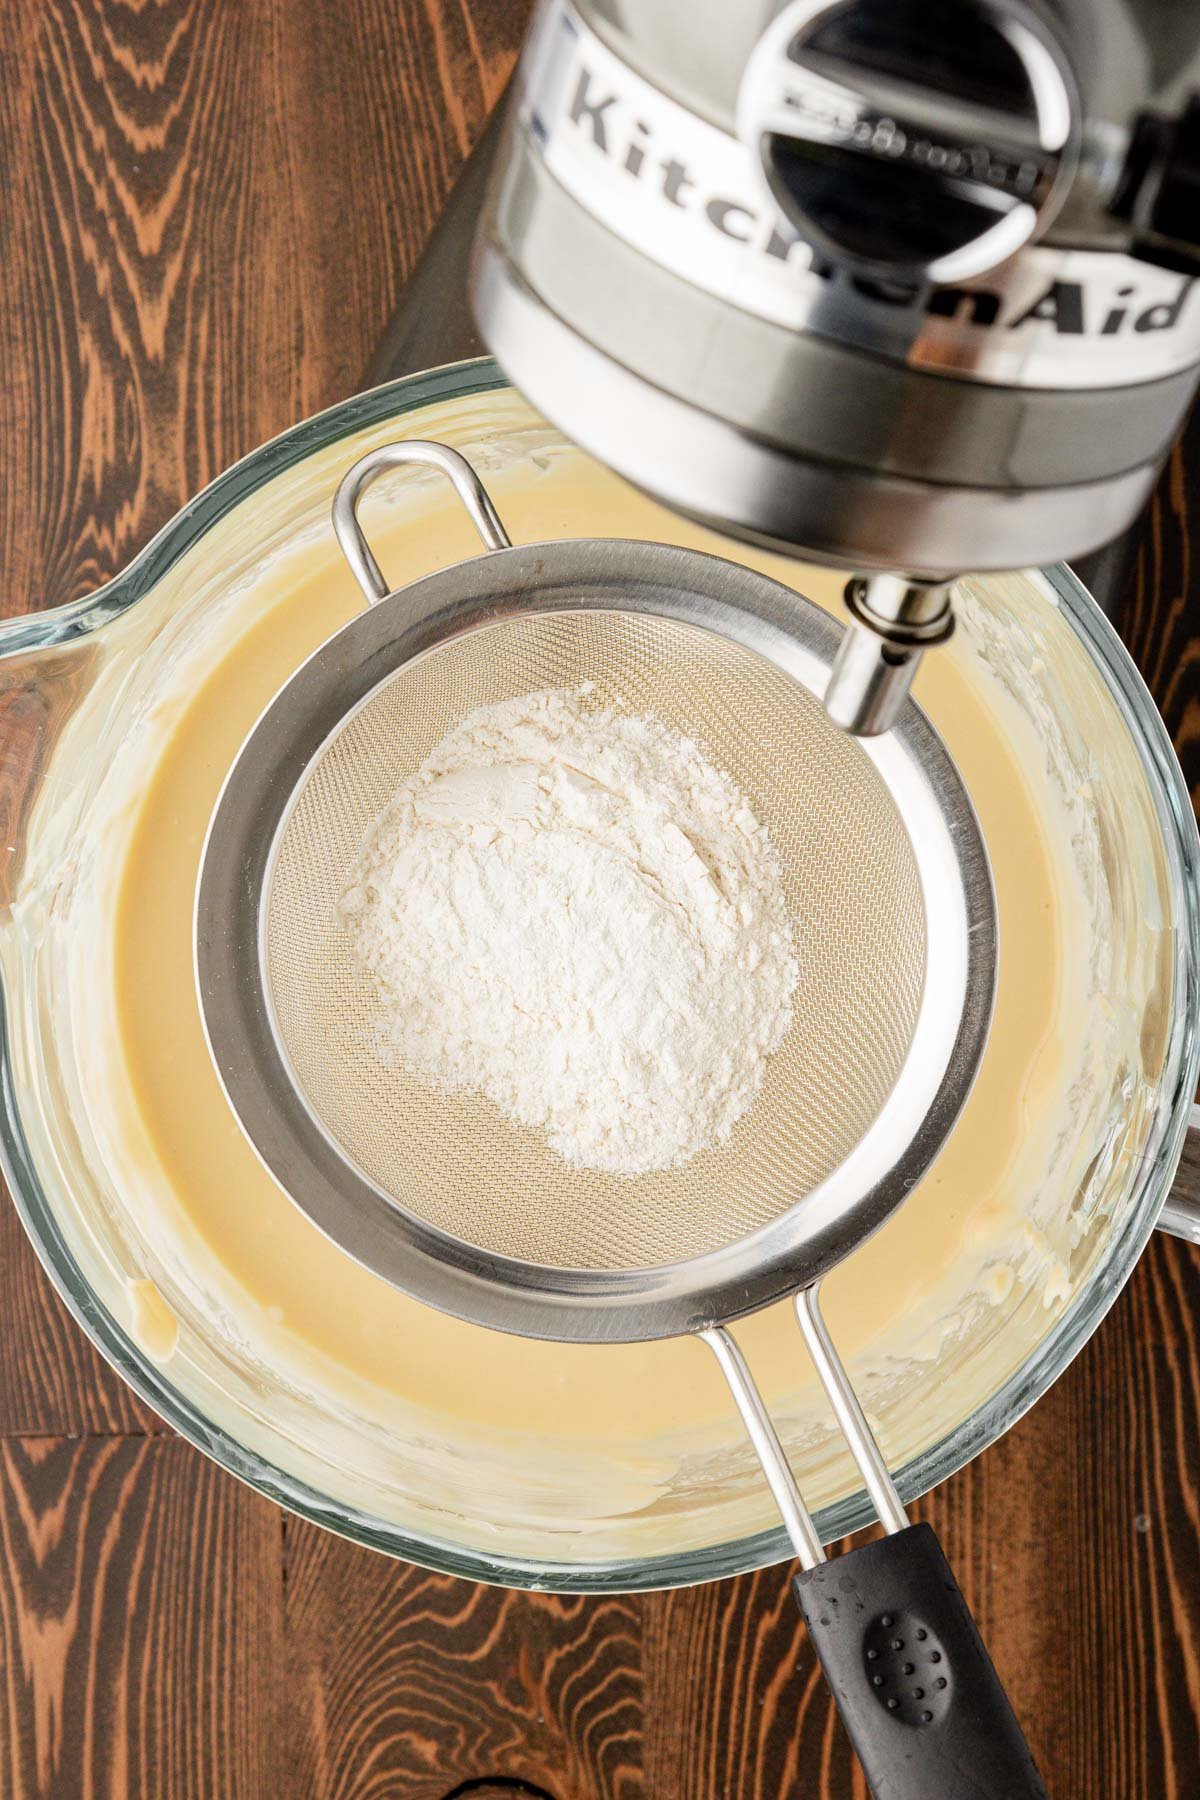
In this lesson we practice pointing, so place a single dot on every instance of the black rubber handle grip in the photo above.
(916, 1688)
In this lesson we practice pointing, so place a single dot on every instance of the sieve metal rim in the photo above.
(695, 590)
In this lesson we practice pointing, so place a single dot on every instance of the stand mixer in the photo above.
(908, 290)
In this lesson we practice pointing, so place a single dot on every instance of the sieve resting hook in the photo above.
(369, 468)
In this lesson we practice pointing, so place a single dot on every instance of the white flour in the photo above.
(569, 910)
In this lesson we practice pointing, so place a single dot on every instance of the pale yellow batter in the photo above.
(344, 1320)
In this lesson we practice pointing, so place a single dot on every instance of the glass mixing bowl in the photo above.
(81, 687)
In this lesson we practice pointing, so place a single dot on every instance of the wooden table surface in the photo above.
(209, 208)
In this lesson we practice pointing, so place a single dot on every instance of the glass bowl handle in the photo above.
(46, 671)
(1181, 1210)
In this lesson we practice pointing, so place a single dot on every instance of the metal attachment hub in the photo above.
(895, 619)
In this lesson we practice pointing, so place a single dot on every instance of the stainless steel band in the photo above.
(793, 388)
(703, 466)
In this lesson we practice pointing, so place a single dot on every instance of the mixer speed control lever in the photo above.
(919, 143)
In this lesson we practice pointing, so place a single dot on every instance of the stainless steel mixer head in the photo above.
(905, 288)
(887, 880)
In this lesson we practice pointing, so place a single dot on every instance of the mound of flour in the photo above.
(568, 909)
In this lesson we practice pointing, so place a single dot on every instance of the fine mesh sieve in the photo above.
(884, 874)
(887, 883)
(852, 886)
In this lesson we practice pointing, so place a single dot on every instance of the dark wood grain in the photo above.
(414, 1683)
(209, 209)
(129, 1667)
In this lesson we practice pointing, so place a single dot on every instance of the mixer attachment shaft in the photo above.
(896, 618)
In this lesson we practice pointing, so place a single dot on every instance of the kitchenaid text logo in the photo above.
(1067, 307)
(690, 198)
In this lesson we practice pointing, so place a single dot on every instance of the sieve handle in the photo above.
(369, 468)
(887, 1605)
(908, 1669)
(914, 1684)
(1180, 1215)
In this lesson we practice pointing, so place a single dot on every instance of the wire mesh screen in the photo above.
(852, 888)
